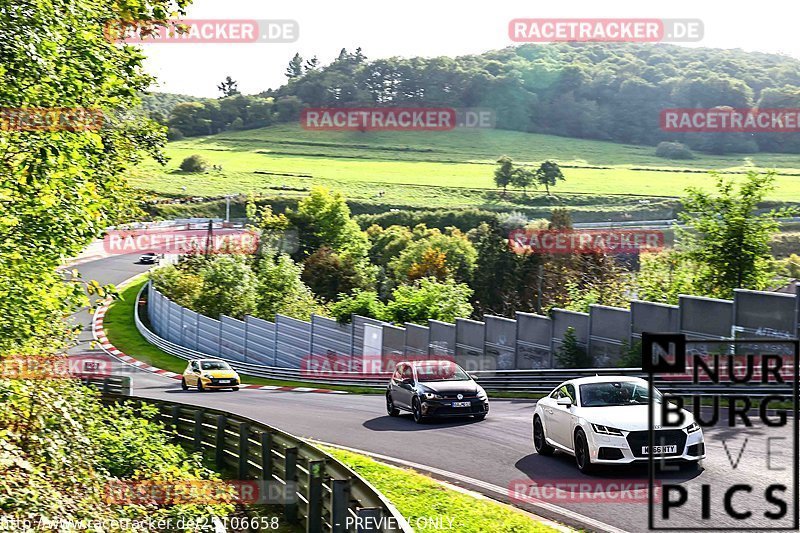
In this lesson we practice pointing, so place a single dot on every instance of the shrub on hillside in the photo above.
(174, 134)
(673, 150)
(195, 163)
(463, 219)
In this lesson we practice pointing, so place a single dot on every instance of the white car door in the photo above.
(561, 416)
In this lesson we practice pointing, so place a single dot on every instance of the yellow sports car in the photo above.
(207, 374)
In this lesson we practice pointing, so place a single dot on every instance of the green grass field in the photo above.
(435, 169)
(429, 505)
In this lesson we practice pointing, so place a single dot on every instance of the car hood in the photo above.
(628, 417)
(220, 373)
(468, 388)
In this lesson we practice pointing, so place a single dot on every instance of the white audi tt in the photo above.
(603, 420)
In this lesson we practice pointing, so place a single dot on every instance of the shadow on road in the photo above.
(561, 466)
(406, 423)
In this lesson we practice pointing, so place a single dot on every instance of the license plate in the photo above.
(660, 450)
(460, 404)
(221, 381)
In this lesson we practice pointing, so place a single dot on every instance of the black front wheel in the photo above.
(416, 411)
(539, 442)
(582, 453)
(184, 385)
(200, 386)
(390, 408)
(235, 388)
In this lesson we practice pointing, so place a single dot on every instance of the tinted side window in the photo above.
(571, 392)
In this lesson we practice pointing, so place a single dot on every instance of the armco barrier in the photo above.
(116, 385)
(329, 496)
(529, 381)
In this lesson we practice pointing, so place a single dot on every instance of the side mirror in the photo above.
(565, 401)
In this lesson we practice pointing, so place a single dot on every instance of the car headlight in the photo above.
(691, 428)
(432, 396)
(606, 430)
(481, 394)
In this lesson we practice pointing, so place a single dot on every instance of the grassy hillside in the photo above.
(436, 169)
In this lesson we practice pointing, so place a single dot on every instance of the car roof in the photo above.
(606, 379)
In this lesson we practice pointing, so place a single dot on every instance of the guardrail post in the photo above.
(266, 456)
(219, 441)
(126, 386)
(199, 415)
(340, 502)
(176, 415)
(244, 445)
(290, 509)
(314, 519)
(369, 519)
(106, 384)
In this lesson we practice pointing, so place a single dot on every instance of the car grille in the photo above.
(475, 408)
(454, 396)
(228, 381)
(637, 439)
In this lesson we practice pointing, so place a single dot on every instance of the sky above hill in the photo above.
(430, 28)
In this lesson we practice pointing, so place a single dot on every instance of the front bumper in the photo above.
(214, 383)
(444, 408)
(610, 449)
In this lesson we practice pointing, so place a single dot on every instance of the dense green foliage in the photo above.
(425, 299)
(609, 91)
(571, 354)
(726, 234)
(159, 106)
(62, 449)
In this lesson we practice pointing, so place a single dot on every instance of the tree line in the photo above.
(604, 91)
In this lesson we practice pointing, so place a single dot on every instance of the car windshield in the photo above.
(215, 365)
(441, 371)
(614, 393)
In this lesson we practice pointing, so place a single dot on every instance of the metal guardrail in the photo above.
(117, 385)
(532, 381)
(324, 495)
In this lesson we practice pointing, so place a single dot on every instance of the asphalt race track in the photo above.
(498, 452)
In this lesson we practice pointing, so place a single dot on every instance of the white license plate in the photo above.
(460, 404)
(660, 450)
(221, 381)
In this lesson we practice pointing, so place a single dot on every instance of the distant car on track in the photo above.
(435, 389)
(150, 258)
(603, 420)
(208, 374)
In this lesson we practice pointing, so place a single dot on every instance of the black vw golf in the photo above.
(434, 389)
